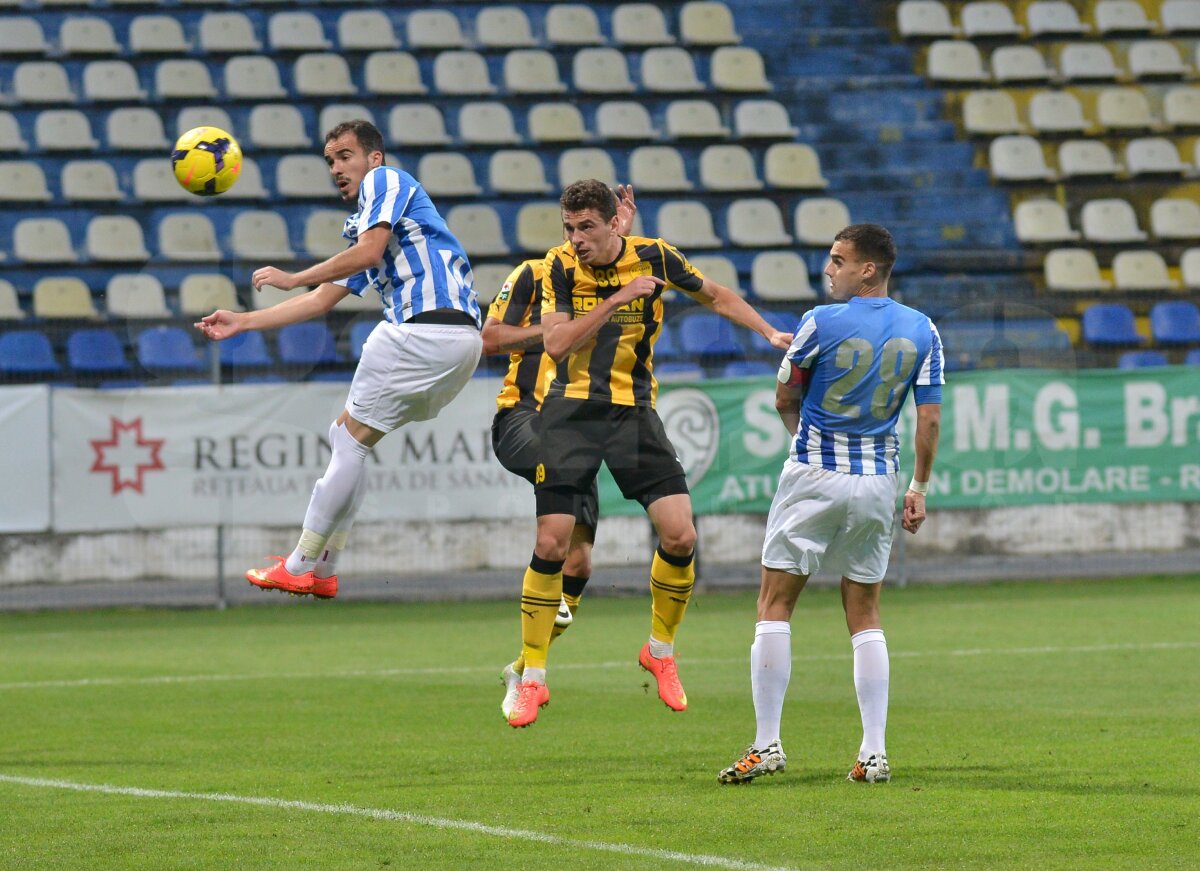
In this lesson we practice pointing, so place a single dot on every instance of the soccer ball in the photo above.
(207, 161)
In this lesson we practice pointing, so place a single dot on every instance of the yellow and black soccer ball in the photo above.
(207, 161)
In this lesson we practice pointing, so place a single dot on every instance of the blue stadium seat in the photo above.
(245, 350)
(96, 350)
(748, 369)
(338, 376)
(1110, 324)
(1175, 323)
(1141, 359)
(169, 349)
(307, 344)
(780, 320)
(679, 371)
(1193, 357)
(358, 337)
(708, 335)
(27, 352)
(666, 347)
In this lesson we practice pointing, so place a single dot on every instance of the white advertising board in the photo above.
(25, 460)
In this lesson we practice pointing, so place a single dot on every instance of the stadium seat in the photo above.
(366, 30)
(669, 71)
(115, 239)
(719, 269)
(303, 176)
(135, 129)
(1175, 323)
(580, 163)
(249, 184)
(1156, 58)
(694, 119)
(260, 235)
(157, 34)
(624, 120)
(1179, 16)
(11, 139)
(1175, 218)
(323, 233)
(601, 71)
(183, 80)
(392, 73)
(532, 71)
(1019, 159)
(112, 81)
(1189, 268)
(983, 19)
(252, 78)
(955, 61)
(1192, 358)
(1153, 155)
(1086, 61)
(188, 236)
(1110, 221)
(1057, 112)
(447, 174)
(10, 305)
(793, 166)
(780, 275)
(1054, 18)
(63, 298)
(227, 33)
(462, 73)
(245, 351)
(1181, 107)
(572, 24)
(784, 321)
(487, 123)
(755, 223)
(686, 224)
(556, 122)
(23, 34)
(1141, 359)
(1141, 270)
(322, 74)
(1019, 64)
(138, 295)
(204, 293)
(168, 349)
(678, 372)
(503, 27)
(748, 369)
(24, 182)
(1109, 324)
(307, 344)
(1086, 157)
(707, 335)
(27, 352)
(96, 350)
(539, 227)
(515, 171)
(296, 31)
(434, 28)
(738, 69)
(41, 82)
(819, 219)
(707, 23)
(763, 119)
(277, 125)
(90, 181)
(1124, 109)
(1120, 17)
(415, 125)
(924, 19)
(63, 130)
(489, 280)
(990, 113)
(43, 240)
(359, 331)
(639, 24)
(478, 228)
(658, 168)
(1040, 221)
(728, 168)
(1073, 269)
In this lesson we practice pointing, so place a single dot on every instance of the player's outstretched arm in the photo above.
(501, 338)
(222, 324)
(365, 253)
(729, 305)
(929, 424)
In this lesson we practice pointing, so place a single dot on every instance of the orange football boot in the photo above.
(667, 676)
(277, 577)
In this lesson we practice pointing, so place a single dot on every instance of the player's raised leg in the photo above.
(672, 578)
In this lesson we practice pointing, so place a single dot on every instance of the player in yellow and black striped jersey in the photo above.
(602, 312)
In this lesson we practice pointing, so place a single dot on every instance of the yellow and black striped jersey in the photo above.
(519, 305)
(616, 365)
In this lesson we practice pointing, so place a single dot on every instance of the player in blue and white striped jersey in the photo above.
(413, 363)
(841, 386)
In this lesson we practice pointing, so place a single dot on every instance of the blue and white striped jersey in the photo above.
(864, 356)
(424, 267)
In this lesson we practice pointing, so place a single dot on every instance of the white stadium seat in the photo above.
(658, 168)
(393, 72)
(516, 171)
(504, 27)
(183, 79)
(63, 298)
(417, 124)
(572, 24)
(755, 223)
(322, 75)
(366, 30)
(988, 19)
(1153, 155)
(1141, 270)
(1086, 157)
(1054, 18)
(188, 236)
(86, 34)
(41, 82)
(447, 174)
(1110, 220)
(1156, 58)
(819, 219)
(1018, 158)
(539, 227)
(1073, 269)
(90, 181)
(323, 233)
(738, 69)
(461, 72)
(1042, 220)
(625, 120)
(601, 71)
(532, 71)
(434, 28)
(1057, 112)
(487, 123)
(707, 22)
(1086, 61)
(728, 168)
(23, 34)
(136, 296)
(63, 130)
(157, 34)
(478, 228)
(763, 119)
(640, 24)
(303, 176)
(686, 224)
(1019, 63)
(990, 113)
(1124, 109)
(43, 240)
(255, 78)
(1180, 16)
(580, 163)
(11, 139)
(924, 19)
(1175, 218)
(278, 125)
(227, 33)
(780, 275)
(955, 61)
(115, 238)
(687, 119)
(203, 293)
(135, 129)
(296, 31)
(260, 235)
(793, 166)
(24, 182)
(669, 70)
(556, 122)
(1120, 17)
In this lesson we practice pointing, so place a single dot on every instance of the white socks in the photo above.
(336, 496)
(770, 671)
(661, 649)
(871, 676)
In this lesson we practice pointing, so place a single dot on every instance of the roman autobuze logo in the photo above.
(694, 427)
(127, 455)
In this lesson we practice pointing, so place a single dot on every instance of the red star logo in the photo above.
(127, 455)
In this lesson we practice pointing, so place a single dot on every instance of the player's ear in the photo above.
(375, 159)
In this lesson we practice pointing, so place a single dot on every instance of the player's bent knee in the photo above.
(678, 542)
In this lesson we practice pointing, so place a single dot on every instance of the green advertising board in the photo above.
(1009, 438)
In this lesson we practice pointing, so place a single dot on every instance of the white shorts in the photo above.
(410, 372)
(832, 520)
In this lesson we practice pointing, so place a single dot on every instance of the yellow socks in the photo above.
(541, 593)
(671, 581)
(572, 587)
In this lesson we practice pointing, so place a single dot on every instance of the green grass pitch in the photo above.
(1031, 726)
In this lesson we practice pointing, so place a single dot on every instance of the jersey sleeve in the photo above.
(679, 273)
(556, 285)
(358, 283)
(927, 387)
(383, 196)
(801, 354)
(512, 304)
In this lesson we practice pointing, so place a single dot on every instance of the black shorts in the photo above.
(516, 442)
(578, 435)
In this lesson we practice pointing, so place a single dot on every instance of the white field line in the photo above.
(579, 666)
(400, 817)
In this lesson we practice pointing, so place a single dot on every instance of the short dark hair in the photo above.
(589, 193)
(871, 242)
(365, 132)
